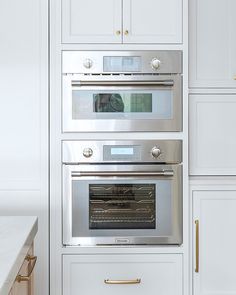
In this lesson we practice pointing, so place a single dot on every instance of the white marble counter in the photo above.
(16, 236)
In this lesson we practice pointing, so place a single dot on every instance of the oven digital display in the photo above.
(121, 63)
(122, 151)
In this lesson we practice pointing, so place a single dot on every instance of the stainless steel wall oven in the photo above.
(122, 91)
(122, 192)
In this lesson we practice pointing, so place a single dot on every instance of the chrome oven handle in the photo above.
(165, 173)
(123, 83)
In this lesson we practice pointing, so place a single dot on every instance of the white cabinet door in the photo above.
(212, 43)
(212, 134)
(91, 21)
(215, 211)
(152, 21)
(158, 274)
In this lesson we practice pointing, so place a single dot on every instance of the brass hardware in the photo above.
(118, 33)
(21, 278)
(235, 77)
(30, 257)
(122, 282)
(126, 32)
(197, 245)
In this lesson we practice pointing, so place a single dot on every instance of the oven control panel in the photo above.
(99, 62)
(148, 151)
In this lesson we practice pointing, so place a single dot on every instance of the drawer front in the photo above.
(86, 274)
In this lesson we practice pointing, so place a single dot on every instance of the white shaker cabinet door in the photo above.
(212, 43)
(152, 21)
(91, 21)
(214, 211)
(212, 123)
(122, 274)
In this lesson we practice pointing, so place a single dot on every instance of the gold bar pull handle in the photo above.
(197, 246)
(21, 278)
(235, 77)
(122, 282)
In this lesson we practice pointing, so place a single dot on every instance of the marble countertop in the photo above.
(16, 236)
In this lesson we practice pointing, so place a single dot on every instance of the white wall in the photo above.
(24, 119)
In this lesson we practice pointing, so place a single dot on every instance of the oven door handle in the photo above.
(165, 83)
(165, 173)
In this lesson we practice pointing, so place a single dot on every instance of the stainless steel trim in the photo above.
(171, 152)
(122, 173)
(123, 83)
(78, 73)
(171, 60)
(174, 238)
(124, 124)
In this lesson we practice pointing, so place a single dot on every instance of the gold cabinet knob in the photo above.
(118, 33)
(235, 77)
(126, 32)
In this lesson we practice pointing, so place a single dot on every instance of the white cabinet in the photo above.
(24, 118)
(212, 43)
(212, 134)
(91, 21)
(118, 21)
(152, 21)
(215, 212)
(122, 274)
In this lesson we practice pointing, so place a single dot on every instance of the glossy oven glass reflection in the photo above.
(125, 103)
(122, 206)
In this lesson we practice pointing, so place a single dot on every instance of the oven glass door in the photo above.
(111, 210)
(88, 106)
(121, 205)
(122, 103)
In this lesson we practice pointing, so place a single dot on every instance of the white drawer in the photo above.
(159, 273)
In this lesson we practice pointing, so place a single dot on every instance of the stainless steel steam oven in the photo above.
(122, 192)
(113, 91)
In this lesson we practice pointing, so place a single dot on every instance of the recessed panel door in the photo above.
(212, 43)
(91, 21)
(152, 21)
(214, 242)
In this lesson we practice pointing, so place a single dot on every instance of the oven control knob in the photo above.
(88, 63)
(155, 63)
(155, 152)
(87, 152)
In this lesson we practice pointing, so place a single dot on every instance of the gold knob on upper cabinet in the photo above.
(118, 33)
(126, 32)
(235, 77)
